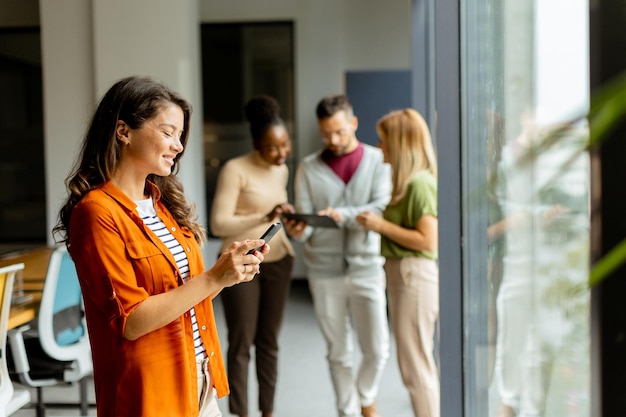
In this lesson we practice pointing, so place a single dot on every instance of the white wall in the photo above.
(68, 92)
(331, 38)
(87, 45)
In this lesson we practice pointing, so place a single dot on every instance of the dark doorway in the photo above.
(23, 197)
(240, 61)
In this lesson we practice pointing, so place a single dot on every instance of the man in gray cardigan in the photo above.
(345, 272)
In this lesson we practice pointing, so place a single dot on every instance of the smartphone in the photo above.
(269, 233)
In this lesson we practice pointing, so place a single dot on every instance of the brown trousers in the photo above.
(254, 313)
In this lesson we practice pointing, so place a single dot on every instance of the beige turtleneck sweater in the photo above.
(248, 188)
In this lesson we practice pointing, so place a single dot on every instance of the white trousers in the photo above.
(207, 396)
(347, 307)
(529, 337)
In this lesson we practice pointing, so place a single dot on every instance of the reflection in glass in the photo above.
(541, 347)
(526, 209)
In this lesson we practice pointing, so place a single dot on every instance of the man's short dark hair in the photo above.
(329, 106)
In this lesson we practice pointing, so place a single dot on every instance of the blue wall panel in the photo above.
(374, 93)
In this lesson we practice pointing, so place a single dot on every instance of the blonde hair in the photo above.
(409, 146)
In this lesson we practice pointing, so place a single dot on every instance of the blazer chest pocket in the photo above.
(152, 269)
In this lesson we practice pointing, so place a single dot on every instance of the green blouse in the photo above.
(420, 200)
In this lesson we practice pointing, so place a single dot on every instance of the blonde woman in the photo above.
(408, 228)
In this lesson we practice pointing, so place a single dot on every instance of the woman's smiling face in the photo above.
(153, 147)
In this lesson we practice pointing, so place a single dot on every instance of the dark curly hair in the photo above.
(263, 113)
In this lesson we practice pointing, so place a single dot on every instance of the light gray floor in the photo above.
(304, 388)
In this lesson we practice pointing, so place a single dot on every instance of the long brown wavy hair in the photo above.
(133, 100)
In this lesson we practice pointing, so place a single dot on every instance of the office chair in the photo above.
(11, 398)
(55, 350)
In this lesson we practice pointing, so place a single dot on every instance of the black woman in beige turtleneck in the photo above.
(251, 193)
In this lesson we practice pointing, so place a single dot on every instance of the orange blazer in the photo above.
(120, 263)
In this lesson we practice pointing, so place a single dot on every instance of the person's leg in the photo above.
(241, 306)
(368, 310)
(331, 309)
(275, 281)
(514, 299)
(413, 288)
(532, 399)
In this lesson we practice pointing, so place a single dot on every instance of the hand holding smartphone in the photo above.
(269, 233)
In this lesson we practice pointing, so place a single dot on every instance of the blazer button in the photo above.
(212, 354)
(173, 229)
(203, 327)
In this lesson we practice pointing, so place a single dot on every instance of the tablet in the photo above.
(312, 219)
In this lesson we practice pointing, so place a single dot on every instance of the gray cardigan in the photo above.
(349, 250)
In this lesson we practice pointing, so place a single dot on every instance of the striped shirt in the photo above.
(145, 208)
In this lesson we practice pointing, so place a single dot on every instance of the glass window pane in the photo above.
(526, 194)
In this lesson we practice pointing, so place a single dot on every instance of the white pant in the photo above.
(341, 304)
(529, 337)
(207, 396)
